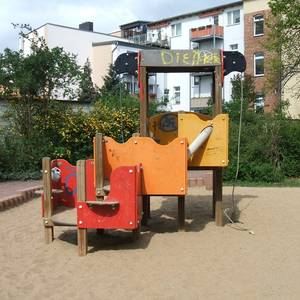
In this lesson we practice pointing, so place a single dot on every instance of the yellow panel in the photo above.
(214, 153)
(164, 166)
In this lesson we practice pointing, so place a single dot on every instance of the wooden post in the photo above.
(144, 131)
(48, 207)
(99, 167)
(217, 196)
(143, 102)
(181, 213)
(81, 196)
(217, 173)
(82, 241)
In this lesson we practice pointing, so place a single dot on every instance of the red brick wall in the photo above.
(254, 44)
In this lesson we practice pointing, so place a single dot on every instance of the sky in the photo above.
(106, 15)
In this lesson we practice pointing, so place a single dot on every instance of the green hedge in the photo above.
(61, 133)
(270, 148)
(270, 144)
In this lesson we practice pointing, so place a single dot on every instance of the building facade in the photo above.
(238, 26)
(99, 49)
(258, 59)
(220, 28)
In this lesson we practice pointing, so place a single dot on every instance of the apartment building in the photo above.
(256, 13)
(241, 26)
(238, 26)
(219, 28)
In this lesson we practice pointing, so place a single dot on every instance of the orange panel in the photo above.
(164, 166)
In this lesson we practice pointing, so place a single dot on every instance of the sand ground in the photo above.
(205, 262)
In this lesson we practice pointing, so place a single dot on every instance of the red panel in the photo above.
(125, 187)
(67, 183)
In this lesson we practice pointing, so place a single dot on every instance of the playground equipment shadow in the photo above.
(214, 263)
(198, 213)
(163, 220)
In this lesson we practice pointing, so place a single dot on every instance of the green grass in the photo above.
(288, 182)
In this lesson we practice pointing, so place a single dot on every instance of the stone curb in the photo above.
(23, 196)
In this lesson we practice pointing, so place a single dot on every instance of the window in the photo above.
(258, 24)
(176, 29)
(259, 64)
(216, 20)
(196, 80)
(177, 94)
(234, 47)
(233, 17)
(259, 103)
(152, 89)
(196, 86)
(195, 45)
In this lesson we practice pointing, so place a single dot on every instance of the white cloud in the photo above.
(107, 15)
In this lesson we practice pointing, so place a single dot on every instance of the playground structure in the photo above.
(113, 190)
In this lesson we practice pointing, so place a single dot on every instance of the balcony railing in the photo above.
(198, 103)
(158, 42)
(140, 39)
(207, 32)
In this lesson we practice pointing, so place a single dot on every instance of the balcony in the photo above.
(158, 42)
(207, 32)
(199, 103)
(140, 39)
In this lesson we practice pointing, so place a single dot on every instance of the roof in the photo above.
(73, 28)
(133, 24)
(191, 14)
(126, 44)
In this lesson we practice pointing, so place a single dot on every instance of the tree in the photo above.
(88, 91)
(43, 75)
(112, 85)
(284, 43)
(248, 97)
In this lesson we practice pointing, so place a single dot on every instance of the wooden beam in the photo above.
(81, 196)
(217, 173)
(99, 167)
(180, 58)
(143, 101)
(218, 90)
(82, 241)
(217, 196)
(81, 184)
(181, 213)
(48, 206)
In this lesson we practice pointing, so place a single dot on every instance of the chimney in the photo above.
(87, 26)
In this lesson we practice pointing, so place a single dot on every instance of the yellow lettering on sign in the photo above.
(177, 57)
(166, 57)
(186, 58)
(216, 59)
(196, 57)
(207, 58)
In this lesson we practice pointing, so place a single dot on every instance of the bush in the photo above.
(62, 133)
(270, 149)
